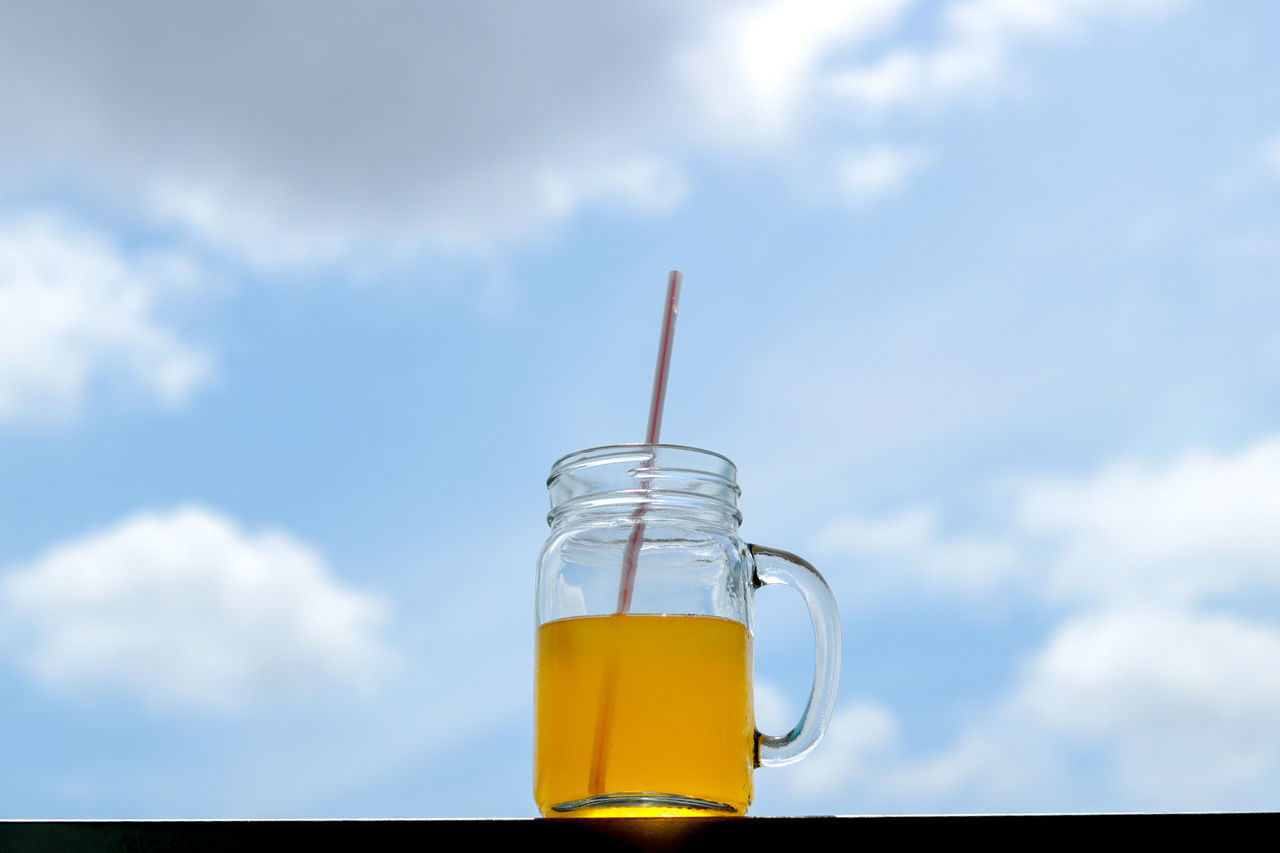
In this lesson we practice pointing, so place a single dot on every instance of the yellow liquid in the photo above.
(677, 717)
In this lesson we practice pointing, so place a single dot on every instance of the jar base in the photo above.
(641, 804)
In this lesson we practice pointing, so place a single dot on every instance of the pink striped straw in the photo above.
(656, 401)
(604, 719)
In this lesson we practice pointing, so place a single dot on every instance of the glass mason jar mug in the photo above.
(644, 609)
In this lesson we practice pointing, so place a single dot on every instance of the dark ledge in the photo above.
(628, 834)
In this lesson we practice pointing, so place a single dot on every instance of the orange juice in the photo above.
(678, 734)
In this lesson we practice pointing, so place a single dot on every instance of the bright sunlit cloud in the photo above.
(756, 71)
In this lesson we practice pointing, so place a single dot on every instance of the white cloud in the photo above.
(1156, 672)
(76, 311)
(875, 172)
(1200, 525)
(1180, 710)
(185, 609)
(975, 50)
(1197, 526)
(1156, 677)
(1183, 707)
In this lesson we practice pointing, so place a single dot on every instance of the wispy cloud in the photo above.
(975, 51)
(1271, 155)
(875, 172)
(76, 312)
(909, 548)
(862, 737)
(1197, 527)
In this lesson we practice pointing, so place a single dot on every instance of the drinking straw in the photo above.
(656, 401)
(604, 720)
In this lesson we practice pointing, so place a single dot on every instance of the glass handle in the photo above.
(774, 566)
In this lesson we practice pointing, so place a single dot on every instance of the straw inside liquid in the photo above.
(604, 719)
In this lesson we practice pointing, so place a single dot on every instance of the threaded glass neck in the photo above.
(667, 480)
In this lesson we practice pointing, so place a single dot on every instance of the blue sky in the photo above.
(299, 304)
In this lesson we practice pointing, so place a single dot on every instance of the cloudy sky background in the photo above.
(299, 302)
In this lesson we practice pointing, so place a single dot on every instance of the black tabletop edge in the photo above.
(622, 834)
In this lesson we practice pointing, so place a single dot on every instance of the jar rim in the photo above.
(647, 478)
(633, 446)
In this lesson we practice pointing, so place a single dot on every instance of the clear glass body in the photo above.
(644, 598)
